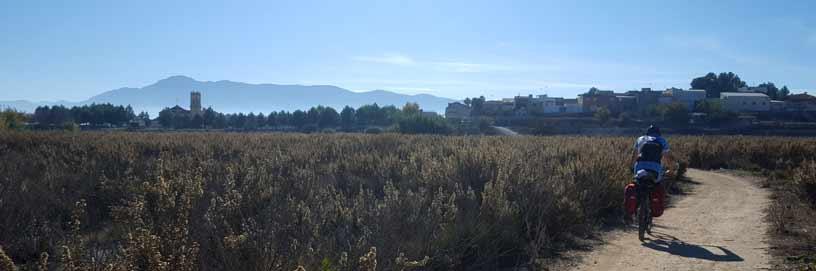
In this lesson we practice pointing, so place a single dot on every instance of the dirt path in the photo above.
(504, 131)
(718, 227)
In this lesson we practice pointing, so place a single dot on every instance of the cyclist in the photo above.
(649, 151)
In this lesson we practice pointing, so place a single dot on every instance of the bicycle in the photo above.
(644, 185)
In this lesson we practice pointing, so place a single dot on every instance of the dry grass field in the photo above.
(217, 201)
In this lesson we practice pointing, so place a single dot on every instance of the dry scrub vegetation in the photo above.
(209, 201)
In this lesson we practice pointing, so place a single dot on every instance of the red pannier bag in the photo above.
(658, 200)
(630, 198)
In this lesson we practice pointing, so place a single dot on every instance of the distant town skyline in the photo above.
(74, 50)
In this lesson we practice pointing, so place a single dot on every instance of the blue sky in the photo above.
(71, 50)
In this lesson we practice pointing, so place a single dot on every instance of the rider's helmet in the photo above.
(653, 131)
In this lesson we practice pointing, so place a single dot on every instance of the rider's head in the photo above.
(653, 131)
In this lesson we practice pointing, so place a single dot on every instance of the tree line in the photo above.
(94, 115)
(407, 119)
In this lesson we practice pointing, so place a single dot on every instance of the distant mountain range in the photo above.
(230, 97)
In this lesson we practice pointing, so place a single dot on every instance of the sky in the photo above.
(72, 50)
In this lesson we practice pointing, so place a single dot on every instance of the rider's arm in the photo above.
(668, 156)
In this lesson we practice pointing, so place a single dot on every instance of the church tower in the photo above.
(195, 102)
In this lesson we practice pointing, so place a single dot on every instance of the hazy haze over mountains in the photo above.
(230, 97)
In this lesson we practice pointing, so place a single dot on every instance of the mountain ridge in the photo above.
(232, 97)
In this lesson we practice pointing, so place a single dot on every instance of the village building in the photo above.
(665, 100)
(626, 103)
(458, 111)
(745, 102)
(688, 98)
(195, 107)
(800, 103)
(777, 106)
(591, 102)
(645, 98)
(491, 108)
(571, 106)
(543, 104)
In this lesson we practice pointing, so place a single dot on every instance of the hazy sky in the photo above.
(71, 50)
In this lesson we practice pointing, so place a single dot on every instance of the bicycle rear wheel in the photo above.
(643, 216)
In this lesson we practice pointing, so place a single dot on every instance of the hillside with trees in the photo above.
(715, 84)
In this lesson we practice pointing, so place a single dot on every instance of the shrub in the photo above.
(804, 177)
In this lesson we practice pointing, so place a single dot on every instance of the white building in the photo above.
(745, 102)
(777, 106)
(547, 105)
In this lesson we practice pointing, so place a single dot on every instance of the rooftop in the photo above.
(742, 94)
(801, 97)
(178, 108)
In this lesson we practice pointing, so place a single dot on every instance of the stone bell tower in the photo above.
(195, 102)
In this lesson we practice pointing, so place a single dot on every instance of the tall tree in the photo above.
(770, 90)
(144, 116)
(298, 118)
(251, 122)
(284, 118)
(389, 115)
(347, 117)
(410, 109)
(369, 114)
(674, 114)
(209, 116)
(715, 114)
(603, 115)
(716, 84)
(313, 115)
(729, 82)
(165, 117)
(260, 120)
(328, 118)
(783, 93)
(272, 119)
(220, 121)
(477, 105)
